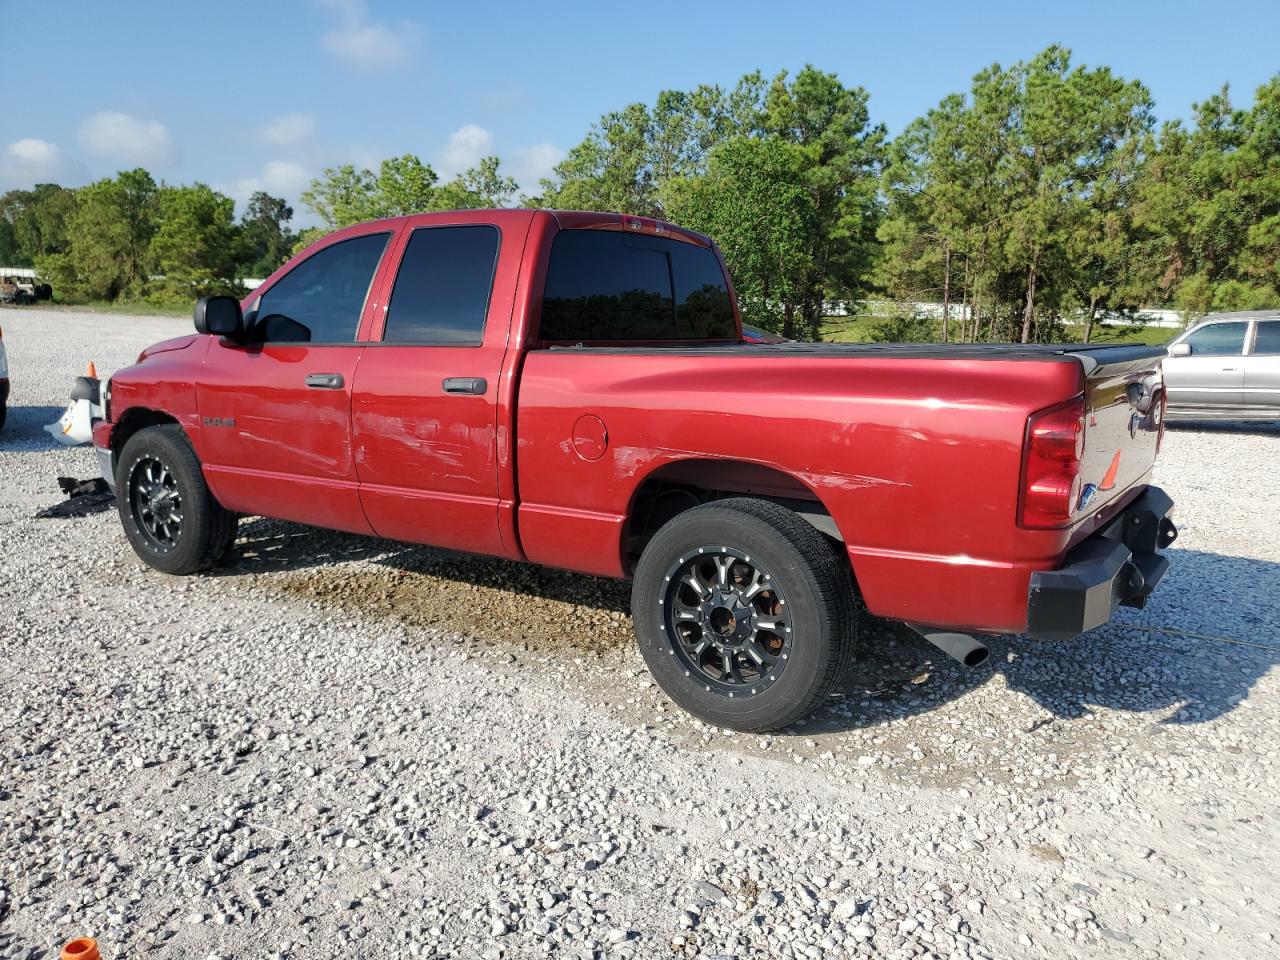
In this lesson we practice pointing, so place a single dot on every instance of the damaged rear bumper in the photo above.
(1118, 566)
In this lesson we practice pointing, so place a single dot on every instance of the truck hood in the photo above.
(165, 346)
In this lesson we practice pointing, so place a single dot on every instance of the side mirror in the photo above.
(1180, 350)
(219, 316)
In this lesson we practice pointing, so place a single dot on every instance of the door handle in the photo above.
(1229, 369)
(473, 386)
(325, 381)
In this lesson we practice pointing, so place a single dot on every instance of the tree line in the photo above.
(1029, 205)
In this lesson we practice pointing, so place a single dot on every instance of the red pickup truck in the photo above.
(573, 389)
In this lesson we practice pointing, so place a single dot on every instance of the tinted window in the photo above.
(1267, 339)
(325, 294)
(608, 285)
(1217, 340)
(442, 290)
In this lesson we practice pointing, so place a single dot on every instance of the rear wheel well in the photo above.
(134, 420)
(677, 487)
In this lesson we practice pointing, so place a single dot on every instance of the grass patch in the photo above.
(136, 308)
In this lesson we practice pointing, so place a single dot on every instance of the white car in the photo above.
(1226, 367)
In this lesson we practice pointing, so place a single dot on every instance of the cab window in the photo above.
(321, 299)
(441, 295)
(1218, 340)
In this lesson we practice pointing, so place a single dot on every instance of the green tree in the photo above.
(265, 238)
(36, 220)
(402, 185)
(8, 245)
(110, 234)
(193, 248)
(757, 205)
(838, 155)
(342, 196)
(1209, 207)
(481, 187)
(628, 155)
(1020, 195)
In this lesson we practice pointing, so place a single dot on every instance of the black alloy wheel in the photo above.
(156, 503)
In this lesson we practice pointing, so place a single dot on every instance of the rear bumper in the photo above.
(1118, 566)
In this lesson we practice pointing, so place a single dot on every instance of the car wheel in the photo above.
(745, 613)
(169, 515)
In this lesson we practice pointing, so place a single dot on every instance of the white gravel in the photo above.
(341, 740)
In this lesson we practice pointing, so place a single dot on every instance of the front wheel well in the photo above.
(677, 487)
(134, 420)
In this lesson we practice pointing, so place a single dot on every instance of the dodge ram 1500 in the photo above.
(573, 389)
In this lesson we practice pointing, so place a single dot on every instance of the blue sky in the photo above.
(249, 95)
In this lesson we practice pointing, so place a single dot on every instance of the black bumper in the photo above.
(1118, 566)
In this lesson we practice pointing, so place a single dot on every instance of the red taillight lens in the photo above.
(1051, 465)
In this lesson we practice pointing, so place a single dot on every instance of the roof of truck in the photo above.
(1241, 315)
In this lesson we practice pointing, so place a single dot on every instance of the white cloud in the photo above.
(284, 179)
(530, 165)
(32, 158)
(289, 129)
(121, 137)
(29, 161)
(466, 146)
(365, 44)
(280, 178)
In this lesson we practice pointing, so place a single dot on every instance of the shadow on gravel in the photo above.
(266, 546)
(24, 428)
(1145, 662)
(1264, 428)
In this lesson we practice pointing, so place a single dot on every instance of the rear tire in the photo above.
(745, 613)
(170, 516)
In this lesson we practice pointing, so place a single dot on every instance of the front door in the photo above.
(425, 403)
(1213, 375)
(276, 411)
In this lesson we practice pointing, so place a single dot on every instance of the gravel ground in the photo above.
(346, 747)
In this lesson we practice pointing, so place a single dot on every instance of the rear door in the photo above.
(1213, 375)
(425, 412)
(1262, 367)
(276, 411)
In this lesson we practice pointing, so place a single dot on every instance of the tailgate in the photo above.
(1123, 411)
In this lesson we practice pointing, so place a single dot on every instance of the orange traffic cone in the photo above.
(93, 371)
(82, 948)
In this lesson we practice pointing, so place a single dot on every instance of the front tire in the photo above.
(170, 517)
(745, 613)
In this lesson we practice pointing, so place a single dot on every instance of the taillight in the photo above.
(1051, 460)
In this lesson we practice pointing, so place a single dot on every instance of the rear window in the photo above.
(1267, 339)
(606, 285)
